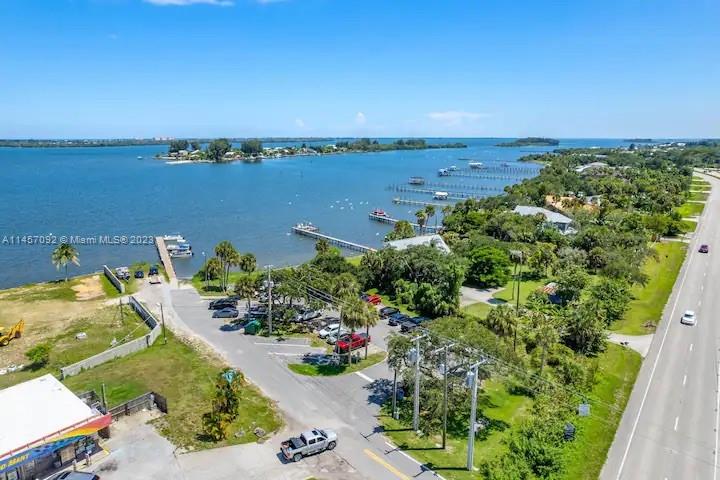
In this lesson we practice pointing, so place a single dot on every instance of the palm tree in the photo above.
(430, 213)
(503, 321)
(345, 288)
(322, 246)
(546, 334)
(356, 314)
(421, 219)
(248, 263)
(447, 210)
(63, 255)
(226, 253)
(245, 288)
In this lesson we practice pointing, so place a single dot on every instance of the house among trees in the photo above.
(591, 167)
(557, 220)
(427, 240)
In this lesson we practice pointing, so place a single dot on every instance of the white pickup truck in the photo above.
(308, 443)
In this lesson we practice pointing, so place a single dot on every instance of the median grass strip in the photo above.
(701, 196)
(649, 300)
(688, 226)
(689, 209)
(495, 402)
(184, 375)
(331, 370)
(617, 369)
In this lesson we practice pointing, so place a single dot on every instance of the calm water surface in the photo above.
(89, 192)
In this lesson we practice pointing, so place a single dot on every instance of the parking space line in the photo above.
(385, 464)
(364, 377)
(286, 354)
(300, 345)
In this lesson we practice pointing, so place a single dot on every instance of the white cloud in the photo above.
(182, 3)
(455, 117)
(360, 118)
(299, 122)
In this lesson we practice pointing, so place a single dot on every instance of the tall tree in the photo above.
(245, 289)
(430, 213)
(247, 263)
(322, 246)
(217, 149)
(63, 255)
(402, 229)
(228, 257)
(421, 217)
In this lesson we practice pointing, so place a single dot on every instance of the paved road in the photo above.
(670, 427)
(349, 404)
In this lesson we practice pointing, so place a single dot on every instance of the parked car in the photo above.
(139, 274)
(123, 273)
(332, 329)
(411, 323)
(688, 318)
(397, 319)
(75, 476)
(387, 311)
(228, 312)
(307, 314)
(308, 443)
(221, 303)
(154, 270)
(352, 342)
(374, 299)
(704, 248)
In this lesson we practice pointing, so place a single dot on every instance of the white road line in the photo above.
(699, 302)
(702, 287)
(283, 344)
(654, 367)
(286, 354)
(717, 418)
(364, 377)
(691, 346)
(684, 379)
(677, 419)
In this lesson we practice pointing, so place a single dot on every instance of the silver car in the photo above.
(688, 318)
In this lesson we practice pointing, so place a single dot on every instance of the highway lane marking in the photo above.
(385, 464)
(654, 367)
(717, 418)
(364, 377)
(699, 302)
(684, 379)
(677, 419)
(691, 347)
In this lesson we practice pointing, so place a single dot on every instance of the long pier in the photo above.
(451, 195)
(393, 221)
(338, 242)
(165, 259)
(408, 201)
(461, 186)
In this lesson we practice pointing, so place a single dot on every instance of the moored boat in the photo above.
(416, 181)
(441, 195)
(379, 213)
(475, 165)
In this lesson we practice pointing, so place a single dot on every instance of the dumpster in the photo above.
(251, 328)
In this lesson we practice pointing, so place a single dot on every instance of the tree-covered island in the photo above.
(531, 141)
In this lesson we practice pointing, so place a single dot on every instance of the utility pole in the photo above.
(205, 269)
(416, 396)
(162, 319)
(394, 398)
(517, 305)
(270, 299)
(445, 391)
(472, 378)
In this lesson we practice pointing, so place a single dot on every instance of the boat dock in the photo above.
(338, 242)
(393, 221)
(450, 196)
(407, 201)
(459, 187)
(165, 259)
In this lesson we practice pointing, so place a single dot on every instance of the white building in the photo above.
(427, 240)
(557, 220)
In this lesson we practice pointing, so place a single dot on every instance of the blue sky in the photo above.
(128, 68)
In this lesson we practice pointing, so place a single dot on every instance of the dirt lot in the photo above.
(48, 309)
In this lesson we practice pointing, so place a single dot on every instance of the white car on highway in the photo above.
(688, 318)
(331, 329)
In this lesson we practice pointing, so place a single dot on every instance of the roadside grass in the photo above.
(701, 196)
(690, 209)
(649, 300)
(495, 402)
(688, 226)
(699, 181)
(185, 377)
(212, 287)
(617, 369)
(56, 290)
(479, 309)
(101, 328)
(331, 370)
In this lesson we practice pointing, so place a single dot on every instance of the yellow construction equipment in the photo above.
(15, 332)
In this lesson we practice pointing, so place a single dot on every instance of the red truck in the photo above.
(352, 341)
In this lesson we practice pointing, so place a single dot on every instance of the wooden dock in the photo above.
(407, 201)
(393, 221)
(165, 259)
(427, 191)
(338, 242)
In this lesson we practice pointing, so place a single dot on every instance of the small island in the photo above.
(531, 141)
(252, 150)
(638, 140)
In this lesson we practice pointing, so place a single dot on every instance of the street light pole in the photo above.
(162, 320)
(416, 397)
(473, 377)
(270, 299)
(394, 398)
(445, 391)
(205, 269)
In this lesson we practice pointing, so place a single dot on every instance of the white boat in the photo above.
(440, 196)
(443, 172)
(308, 227)
(453, 168)
(180, 251)
(475, 165)
(174, 238)
(140, 157)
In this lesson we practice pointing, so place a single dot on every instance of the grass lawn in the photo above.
(101, 328)
(495, 402)
(585, 456)
(186, 378)
(213, 286)
(702, 196)
(699, 181)
(526, 288)
(330, 370)
(479, 309)
(649, 300)
(690, 209)
(688, 225)
(389, 303)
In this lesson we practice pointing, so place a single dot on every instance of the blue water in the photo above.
(109, 191)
